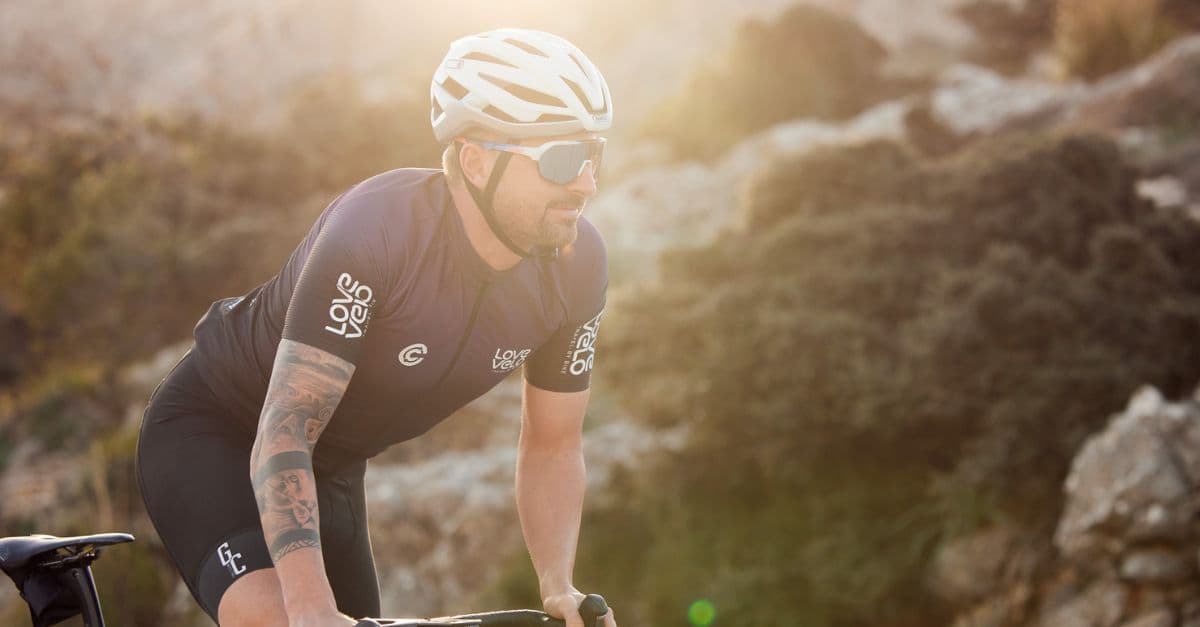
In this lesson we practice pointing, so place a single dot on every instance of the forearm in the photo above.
(285, 487)
(551, 481)
(306, 386)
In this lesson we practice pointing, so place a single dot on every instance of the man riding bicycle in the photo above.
(415, 292)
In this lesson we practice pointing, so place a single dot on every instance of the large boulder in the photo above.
(1135, 486)
(1127, 540)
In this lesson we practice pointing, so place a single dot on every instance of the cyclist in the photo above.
(414, 292)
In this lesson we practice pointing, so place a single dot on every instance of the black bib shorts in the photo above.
(193, 467)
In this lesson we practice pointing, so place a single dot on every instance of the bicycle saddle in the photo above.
(16, 552)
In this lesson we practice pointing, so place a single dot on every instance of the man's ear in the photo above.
(476, 163)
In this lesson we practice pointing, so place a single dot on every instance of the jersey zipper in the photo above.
(462, 343)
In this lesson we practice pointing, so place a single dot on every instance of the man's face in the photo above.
(536, 212)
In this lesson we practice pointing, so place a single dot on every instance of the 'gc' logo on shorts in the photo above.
(229, 559)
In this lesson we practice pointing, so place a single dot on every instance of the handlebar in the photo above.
(592, 608)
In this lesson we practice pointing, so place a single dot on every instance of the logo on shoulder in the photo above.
(510, 359)
(583, 347)
(350, 311)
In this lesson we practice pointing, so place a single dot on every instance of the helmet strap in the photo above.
(484, 199)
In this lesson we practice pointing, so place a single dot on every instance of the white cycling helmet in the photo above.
(519, 83)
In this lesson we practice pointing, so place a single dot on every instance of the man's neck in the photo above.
(489, 247)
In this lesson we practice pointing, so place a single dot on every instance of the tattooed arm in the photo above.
(306, 385)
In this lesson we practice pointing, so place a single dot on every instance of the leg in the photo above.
(193, 471)
(254, 600)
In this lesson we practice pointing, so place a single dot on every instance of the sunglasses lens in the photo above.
(563, 163)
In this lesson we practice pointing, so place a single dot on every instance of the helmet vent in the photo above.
(579, 65)
(583, 99)
(524, 93)
(458, 91)
(487, 58)
(526, 47)
(554, 117)
(499, 115)
(437, 109)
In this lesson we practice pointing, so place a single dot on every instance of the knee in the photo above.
(254, 600)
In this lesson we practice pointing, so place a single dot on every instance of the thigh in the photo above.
(193, 468)
(197, 491)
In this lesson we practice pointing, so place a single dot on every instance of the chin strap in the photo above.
(483, 199)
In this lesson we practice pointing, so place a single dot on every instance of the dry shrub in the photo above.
(1095, 37)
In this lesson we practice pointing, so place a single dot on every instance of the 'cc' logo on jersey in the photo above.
(413, 354)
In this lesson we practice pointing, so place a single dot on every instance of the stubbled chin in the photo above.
(560, 235)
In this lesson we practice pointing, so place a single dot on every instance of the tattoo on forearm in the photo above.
(289, 541)
(281, 463)
(306, 386)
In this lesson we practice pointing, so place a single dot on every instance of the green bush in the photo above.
(891, 352)
(119, 233)
(63, 409)
(135, 580)
(100, 227)
(807, 63)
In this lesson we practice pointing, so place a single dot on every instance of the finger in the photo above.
(609, 619)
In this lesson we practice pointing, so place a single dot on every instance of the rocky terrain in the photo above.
(656, 205)
(1126, 547)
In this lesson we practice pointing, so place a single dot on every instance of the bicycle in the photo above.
(54, 576)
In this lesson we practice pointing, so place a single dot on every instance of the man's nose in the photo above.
(585, 183)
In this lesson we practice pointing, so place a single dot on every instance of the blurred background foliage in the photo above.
(1094, 38)
(843, 405)
(830, 65)
(847, 412)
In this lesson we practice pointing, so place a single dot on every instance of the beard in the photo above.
(556, 231)
(529, 225)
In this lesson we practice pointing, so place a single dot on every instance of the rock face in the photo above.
(971, 99)
(644, 213)
(1153, 109)
(1132, 492)
(968, 569)
(1127, 540)
(653, 206)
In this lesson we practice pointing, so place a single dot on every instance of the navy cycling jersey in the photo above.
(387, 280)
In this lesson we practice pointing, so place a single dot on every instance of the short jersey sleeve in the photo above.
(564, 363)
(340, 283)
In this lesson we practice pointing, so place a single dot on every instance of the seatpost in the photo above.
(81, 581)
